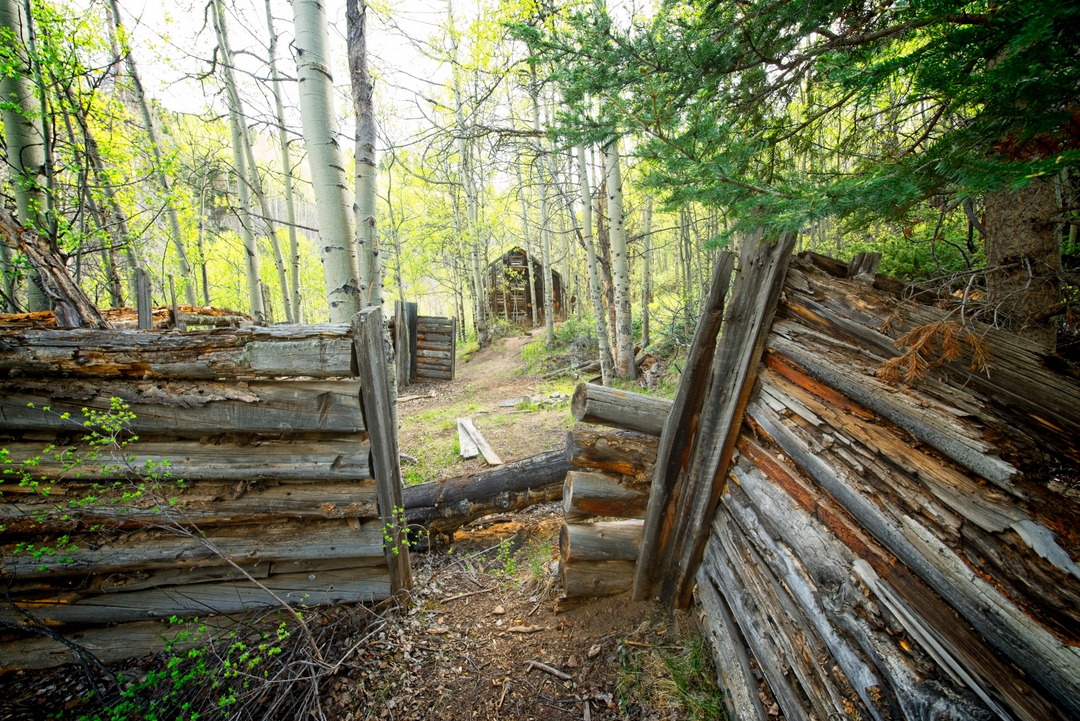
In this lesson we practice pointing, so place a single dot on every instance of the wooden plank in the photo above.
(204, 504)
(366, 584)
(467, 447)
(622, 409)
(453, 347)
(144, 303)
(371, 347)
(481, 443)
(186, 408)
(411, 318)
(316, 351)
(170, 546)
(402, 345)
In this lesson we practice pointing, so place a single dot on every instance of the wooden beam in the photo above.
(622, 409)
(371, 346)
(481, 443)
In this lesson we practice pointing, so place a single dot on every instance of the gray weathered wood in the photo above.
(589, 494)
(403, 345)
(144, 304)
(622, 409)
(596, 578)
(370, 346)
(466, 445)
(481, 443)
(317, 351)
(599, 541)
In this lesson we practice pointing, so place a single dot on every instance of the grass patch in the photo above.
(676, 680)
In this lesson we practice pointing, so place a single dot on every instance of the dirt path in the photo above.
(494, 375)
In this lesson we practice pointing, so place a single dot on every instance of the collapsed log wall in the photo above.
(261, 467)
(893, 550)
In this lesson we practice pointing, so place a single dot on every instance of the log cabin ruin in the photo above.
(868, 501)
(516, 283)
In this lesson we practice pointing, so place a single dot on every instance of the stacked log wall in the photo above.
(436, 348)
(261, 467)
(896, 550)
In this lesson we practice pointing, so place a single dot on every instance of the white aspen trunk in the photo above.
(483, 337)
(337, 249)
(155, 147)
(646, 272)
(594, 275)
(25, 152)
(367, 231)
(545, 235)
(286, 169)
(528, 246)
(241, 159)
(620, 262)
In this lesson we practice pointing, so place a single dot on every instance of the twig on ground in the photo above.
(470, 593)
(551, 670)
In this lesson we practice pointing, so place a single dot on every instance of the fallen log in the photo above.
(442, 506)
(601, 541)
(617, 452)
(621, 409)
(596, 578)
(586, 495)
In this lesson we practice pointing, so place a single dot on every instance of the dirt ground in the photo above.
(485, 635)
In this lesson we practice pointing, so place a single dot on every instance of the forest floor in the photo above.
(484, 606)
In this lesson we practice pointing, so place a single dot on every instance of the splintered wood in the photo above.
(472, 443)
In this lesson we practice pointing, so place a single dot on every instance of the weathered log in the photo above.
(586, 495)
(372, 350)
(204, 504)
(316, 351)
(622, 409)
(600, 541)
(692, 469)
(185, 408)
(403, 345)
(596, 578)
(367, 584)
(623, 453)
(443, 506)
(168, 546)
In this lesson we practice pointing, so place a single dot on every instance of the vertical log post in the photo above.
(144, 304)
(370, 343)
(402, 344)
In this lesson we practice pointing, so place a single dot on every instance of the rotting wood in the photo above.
(442, 506)
(186, 408)
(680, 424)
(370, 345)
(595, 578)
(589, 494)
(478, 439)
(599, 541)
(622, 409)
(315, 351)
(615, 452)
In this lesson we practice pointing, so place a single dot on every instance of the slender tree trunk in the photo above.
(594, 276)
(1022, 236)
(336, 242)
(530, 281)
(202, 249)
(367, 232)
(620, 267)
(25, 155)
(483, 336)
(286, 169)
(237, 130)
(646, 272)
(604, 259)
(155, 147)
(545, 235)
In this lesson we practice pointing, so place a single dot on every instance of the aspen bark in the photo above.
(646, 272)
(545, 235)
(155, 147)
(25, 151)
(337, 249)
(367, 232)
(594, 276)
(286, 169)
(620, 262)
(240, 160)
(530, 281)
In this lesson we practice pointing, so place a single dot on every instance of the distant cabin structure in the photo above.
(516, 281)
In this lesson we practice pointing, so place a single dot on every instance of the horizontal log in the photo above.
(618, 452)
(435, 375)
(204, 504)
(443, 506)
(431, 354)
(600, 541)
(588, 494)
(596, 578)
(169, 547)
(185, 408)
(365, 584)
(430, 344)
(261, 460)
(317, 351)
(622, 409)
